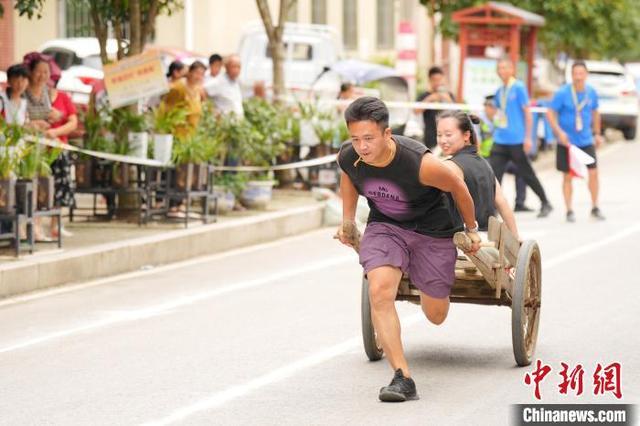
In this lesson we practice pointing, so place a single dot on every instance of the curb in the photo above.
(110, 259)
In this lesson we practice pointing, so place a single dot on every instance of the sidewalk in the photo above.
(100, 249)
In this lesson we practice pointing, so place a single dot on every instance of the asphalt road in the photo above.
(271, 334)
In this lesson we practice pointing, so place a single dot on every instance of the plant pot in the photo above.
(308, 136)
(120, 176)
(184, 177)
(7, 195)
(46, 192)
(84, 173)
(138, 144)
(200, 176)
(257, 194)
(226, 199)
(102, 171)
(162, 147)
(321, 150)
(23, 187)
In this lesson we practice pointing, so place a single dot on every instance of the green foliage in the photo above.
(95, 128)
(10, 148)
(234, 182)
(47, 157)
(592, 29)
(165, 120)
(121, 122)
(29, 161)
(191, 149)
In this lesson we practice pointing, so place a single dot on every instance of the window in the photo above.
(302, 52)
(385, 14)
(318, 11)
(350, 24)
(77, 19)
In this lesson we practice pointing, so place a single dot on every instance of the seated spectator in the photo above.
(177, 70)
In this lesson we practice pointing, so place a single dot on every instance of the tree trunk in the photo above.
(100, 29)
(135, 23)
(431, 14)
(278, 57)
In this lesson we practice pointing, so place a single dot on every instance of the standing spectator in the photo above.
(225, 91)
(13, 105)
(437, 92)
(187, 93)
(575, 119)
(512, 136)
(177, 70)
(215, 66)
(61, 167)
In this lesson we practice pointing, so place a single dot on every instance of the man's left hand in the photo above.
(599, 140)
(475, 242)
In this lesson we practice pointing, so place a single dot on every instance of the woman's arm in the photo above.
(505, 211)
(65, 129)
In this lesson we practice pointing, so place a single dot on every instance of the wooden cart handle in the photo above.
(463, 242)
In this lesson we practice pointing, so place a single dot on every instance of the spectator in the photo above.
(39, 108)
(177, 71)
(215, 66)
(575, 119)
(61, 167)
(486, 127)
(187, 93)
(259, 90)
(437, 92)
(13, 105)
(225, 91)
(512, 136)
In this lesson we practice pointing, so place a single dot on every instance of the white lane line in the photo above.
(572, 254)
(218, 398)
(182, 301)
(154, 270)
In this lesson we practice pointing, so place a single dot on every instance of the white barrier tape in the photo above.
(424, 105)
(153, 163)
(297, 165)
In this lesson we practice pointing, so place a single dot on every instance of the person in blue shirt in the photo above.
(574, 117)
(512, 135)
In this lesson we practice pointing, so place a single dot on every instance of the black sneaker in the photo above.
(522, 208)
(571, 216)
(545, 210)
(400, 389)
(597, 214)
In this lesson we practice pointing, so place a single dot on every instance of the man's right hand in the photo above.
(563, 138)
(349, 235)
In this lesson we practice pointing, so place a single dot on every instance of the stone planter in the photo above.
(120, 175)
(226, 199)
(84, 173)
(200, 176)
(184, 177)
(257, 194)
(23, 186)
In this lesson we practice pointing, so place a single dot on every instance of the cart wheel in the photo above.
(525, 310)
(371, 346)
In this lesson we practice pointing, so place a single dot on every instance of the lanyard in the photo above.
(505, 92)
(581, 105)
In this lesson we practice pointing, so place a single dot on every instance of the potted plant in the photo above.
(187, 152)
(165, 121)
(227, 188)
(8, 163)
(27, 171)
(46, 189)
(88, 173)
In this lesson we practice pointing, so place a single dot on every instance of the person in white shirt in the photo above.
(225, 91)
(13, 105)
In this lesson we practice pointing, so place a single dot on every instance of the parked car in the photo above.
(618, 97)
(310, 50)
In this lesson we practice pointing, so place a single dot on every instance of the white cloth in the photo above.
(226, 94)
(13, 114)
(578, 162)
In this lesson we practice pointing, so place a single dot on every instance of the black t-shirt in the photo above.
(481, 182)
(429, 118)
(395, 194)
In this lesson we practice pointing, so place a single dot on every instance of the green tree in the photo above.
(586, 29)
(138, 15)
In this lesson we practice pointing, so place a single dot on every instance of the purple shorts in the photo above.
(430, 262)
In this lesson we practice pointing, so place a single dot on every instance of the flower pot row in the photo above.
(13, 194)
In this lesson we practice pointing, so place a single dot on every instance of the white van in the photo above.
(309, 49)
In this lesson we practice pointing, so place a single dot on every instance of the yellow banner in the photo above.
(135, 78)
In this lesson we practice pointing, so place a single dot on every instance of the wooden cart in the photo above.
(504, 272)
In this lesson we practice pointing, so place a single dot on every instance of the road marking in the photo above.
(174, 303)
(219, 398)
(67, 288)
